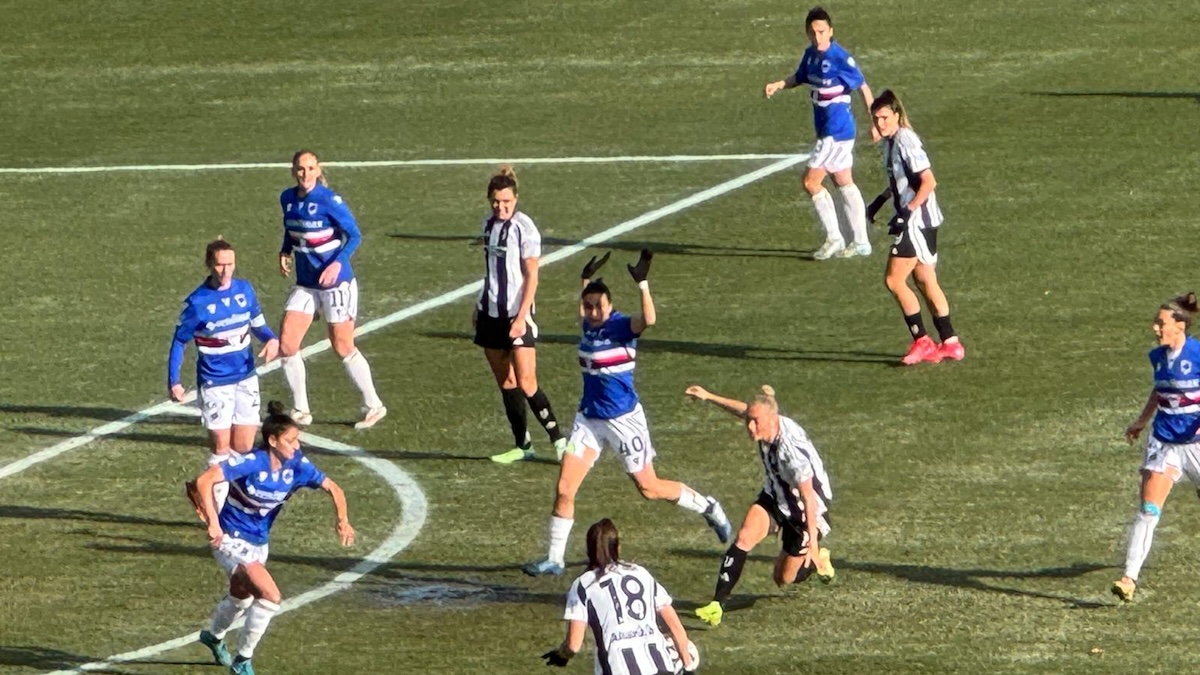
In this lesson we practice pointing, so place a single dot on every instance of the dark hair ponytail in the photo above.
(603, 545)
(277, 422)
(1183, 308)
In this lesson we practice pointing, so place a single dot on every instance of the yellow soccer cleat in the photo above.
(825, 571)
(711, 613)
(1124, 589)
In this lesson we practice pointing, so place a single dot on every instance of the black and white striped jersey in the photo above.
(506, 243)
(905, 158)
(620, 605)
(788, 462)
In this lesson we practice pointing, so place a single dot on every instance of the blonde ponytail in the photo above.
(765, 397)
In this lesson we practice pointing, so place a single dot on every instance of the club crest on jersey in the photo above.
(312, 209)
(1185, 367)
(825, 66)
(240, 299)
(288, 476)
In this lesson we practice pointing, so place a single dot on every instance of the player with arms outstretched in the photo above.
(261, 482)
(832, 75)
(623, 604)
(220, 317)
(610, 414)
(320, 234)
(795, 495)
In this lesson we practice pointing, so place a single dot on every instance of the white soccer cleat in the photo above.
(301, 417)
(855, 250)
(371, 416)
(830, 248)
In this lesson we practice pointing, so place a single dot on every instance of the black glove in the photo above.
(642, 268)
(899, 222)
(555, 657)
(874, 206)
(593, 266)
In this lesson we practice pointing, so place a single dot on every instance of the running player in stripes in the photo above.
(220, 316)
(320, 234)
(832, 75)
(1172, 450)
(503, 316)
(238, 533)
(611, 416)
(914, 253)
(622, 604)
(795, 495)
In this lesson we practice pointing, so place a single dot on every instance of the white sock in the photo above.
(827, 215)
(297, 380)
(360, 374)
(692, 500)
(220, 490)
(228, 611)
(1140, 538)
(257, 619)
(856, 212)
(560, 530)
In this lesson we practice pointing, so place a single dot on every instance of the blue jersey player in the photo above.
(1172, 450)
(832, 75)
(220, 317)
(261, 482)
(320, 234)
(611, 416)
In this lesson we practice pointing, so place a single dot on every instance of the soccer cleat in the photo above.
(563, 447)
(193, 495)
(514, 455)
(220, 654)
(830, 248)
(922, 350)
(855, 250)
(543, 568)
(952, 351)
(241, 666)
(371, 417)
(711, 613)
(714, 515)
(825, 571)
(301, 417)
(1124, 589)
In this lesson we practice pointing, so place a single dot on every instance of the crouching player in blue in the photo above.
(1173, 449)
(260, 482)
(220, 316)
(610, 414)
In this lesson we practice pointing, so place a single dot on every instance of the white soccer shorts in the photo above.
(234, 552)
(225, 405)
(337, 305)
(1175, 460)
(831, 155)
(627, 435)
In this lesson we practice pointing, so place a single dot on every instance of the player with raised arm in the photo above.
(238, 533)
(220, 317)
(503, 317)
(915, 252)
(832, 75)
(1172, 450)
(622, 604)
(610, 414)
(795, 495)
(320, 234)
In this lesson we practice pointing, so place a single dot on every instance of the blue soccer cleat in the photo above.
(543, 568)
(241, 666)
(217, 646)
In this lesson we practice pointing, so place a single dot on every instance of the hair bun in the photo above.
(768, 390)
(276, 408)
(507, 170)
(1188, 301)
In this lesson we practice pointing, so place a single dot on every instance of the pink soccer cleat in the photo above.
(952, 351)
(922, 350)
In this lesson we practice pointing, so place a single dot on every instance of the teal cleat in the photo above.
(563, 447)
(543, 568)
(220, 654)
(241, 666)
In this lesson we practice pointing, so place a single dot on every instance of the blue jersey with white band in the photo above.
(1177, 389)
(607, 356)
(832, 76)
(256, 492)
(318, 229)
(220, 322)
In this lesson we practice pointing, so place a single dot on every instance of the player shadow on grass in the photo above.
(40, 513)
(1194, 96)
(971, 579)
(717, 350)
(633, 246)
(47, 658)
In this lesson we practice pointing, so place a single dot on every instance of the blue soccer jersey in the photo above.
(832, 76)
(607, 356)
(256, 492)
(318, 229)
(220, 322)
(1177, 388)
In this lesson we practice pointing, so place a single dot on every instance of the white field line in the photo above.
(413, 509)
(419, 308)
(390, 163)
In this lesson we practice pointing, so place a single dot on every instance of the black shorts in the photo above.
(916, 242)
(492, 333)
(793, 532)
